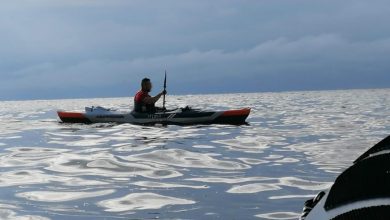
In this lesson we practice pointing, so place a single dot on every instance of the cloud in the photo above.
(70, 47)
(329, 57)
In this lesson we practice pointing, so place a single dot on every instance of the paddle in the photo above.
(165, 87)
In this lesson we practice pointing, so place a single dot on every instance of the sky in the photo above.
(94, 48)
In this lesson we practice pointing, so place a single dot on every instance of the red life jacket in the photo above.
(140, 105)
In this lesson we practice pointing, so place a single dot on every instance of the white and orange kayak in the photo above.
(184, 116)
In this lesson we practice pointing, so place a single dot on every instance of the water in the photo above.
(295, 145)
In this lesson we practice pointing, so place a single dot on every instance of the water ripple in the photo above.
(139, 201)
(295, 145)
(58, 196)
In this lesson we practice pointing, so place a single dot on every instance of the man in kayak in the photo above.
(143, 102)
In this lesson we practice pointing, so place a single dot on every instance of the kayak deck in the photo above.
(235, 117)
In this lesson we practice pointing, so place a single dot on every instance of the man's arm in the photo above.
(152, 100)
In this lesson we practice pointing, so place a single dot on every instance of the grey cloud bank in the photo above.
(66, 49)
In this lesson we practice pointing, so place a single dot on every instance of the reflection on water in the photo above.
(61, 196)
(295, 145)
(138, 201)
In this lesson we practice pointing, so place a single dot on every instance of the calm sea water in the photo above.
(295, 145)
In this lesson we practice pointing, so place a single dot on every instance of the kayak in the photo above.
(360, 192)
(182, 116)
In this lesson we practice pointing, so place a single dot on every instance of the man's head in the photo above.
(146, 85)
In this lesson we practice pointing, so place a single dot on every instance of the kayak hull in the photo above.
(235, 117)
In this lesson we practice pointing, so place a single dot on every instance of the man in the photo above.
(143, 102)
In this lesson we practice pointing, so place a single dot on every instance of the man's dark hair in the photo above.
(144, 80)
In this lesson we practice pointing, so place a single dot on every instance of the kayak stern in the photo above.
(73, 117)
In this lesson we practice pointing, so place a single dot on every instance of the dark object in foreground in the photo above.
(360, 192)
(185, 116)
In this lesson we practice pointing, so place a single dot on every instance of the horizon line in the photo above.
(200, 94)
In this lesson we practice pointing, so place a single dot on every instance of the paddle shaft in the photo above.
(165, 87)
